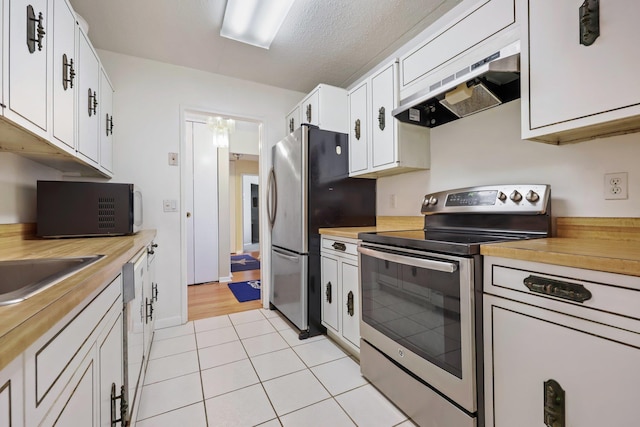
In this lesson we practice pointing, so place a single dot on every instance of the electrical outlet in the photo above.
(616, 186)
(392, 201)
(173, 159)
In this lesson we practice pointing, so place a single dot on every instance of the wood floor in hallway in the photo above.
(216, 299)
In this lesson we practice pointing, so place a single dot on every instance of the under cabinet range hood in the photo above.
(481, 85)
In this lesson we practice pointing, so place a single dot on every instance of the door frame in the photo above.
(247, 180)
(223, 194)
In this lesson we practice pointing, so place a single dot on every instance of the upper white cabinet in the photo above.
(64, 71)
(88, 94)
(325, 107)
(29, 50)
(379, 144)
(48, 67)
(106, 122)
(571, 91)
(293, 119)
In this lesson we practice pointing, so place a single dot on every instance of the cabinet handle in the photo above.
(154, 292)
(381, 118)
(589, 14)
(327, 292)
(93, 102)
(553, 404)
(339, 246)
(109, 125)
(291, 125)
(565, 290)
(149, 311)
(350, 303)
(357, 129)
(68, 72)
(309, 113)
(34, 34)
(123, 406)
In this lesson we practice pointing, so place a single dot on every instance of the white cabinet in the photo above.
(28, 59)
(560, 342)
(325, 107)
(11, 392)
(106, 122)
(150, 294)
(572, 92)
(293, 119)
(64, 69)
(65, 367)
(340, 295)
(111, 364)
(386, 145)
(88, 94)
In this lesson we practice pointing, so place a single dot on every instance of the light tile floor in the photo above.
(250, 369)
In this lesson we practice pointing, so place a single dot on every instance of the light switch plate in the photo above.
(170, 205)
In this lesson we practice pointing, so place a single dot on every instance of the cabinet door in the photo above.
(11, 392)
(88, 94)
(568, 80)
(330, 292)
(75, 407)
(28, 62)
(111, 363)
(310, 112)
(350, 302)
(383, 142)
(599, 375)
(64, 68)
(106, 122)
(359, 130)
(293, 120)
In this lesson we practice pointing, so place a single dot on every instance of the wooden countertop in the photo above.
(383, 223)
(23, 323)
(604, 244)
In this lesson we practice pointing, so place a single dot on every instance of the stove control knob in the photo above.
(425, 201)
(501, 196)
(433, 200)
(532, 196)
(515, 196)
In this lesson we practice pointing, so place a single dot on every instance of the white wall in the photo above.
(486, 148)
(18, 177)
(148, 99)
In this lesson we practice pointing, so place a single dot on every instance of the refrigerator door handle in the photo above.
(294, 258)
(272, 197)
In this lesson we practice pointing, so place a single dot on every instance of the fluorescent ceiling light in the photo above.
(255, 22)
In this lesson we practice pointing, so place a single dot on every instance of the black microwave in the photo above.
(68, 208)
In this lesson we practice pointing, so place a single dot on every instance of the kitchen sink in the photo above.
(21, 279)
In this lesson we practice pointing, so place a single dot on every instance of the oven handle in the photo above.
(429, 264)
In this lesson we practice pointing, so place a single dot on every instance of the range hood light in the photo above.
(464, 100)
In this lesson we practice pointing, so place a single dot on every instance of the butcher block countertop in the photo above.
(23, 323)
(604, 244)
(383, 223)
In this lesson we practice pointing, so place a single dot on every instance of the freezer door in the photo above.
(289, 286)
(289, 180)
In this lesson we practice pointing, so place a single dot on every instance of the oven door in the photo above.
(417, 309)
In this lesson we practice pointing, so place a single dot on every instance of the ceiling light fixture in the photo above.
(221, 129)
(255, 22)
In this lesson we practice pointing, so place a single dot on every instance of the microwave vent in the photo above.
(106, 213)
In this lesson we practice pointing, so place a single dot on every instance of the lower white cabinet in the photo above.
(340, 295)
(562, 346)
(11, 392)
(70, 369)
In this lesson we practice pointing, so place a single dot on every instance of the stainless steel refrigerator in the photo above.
(309, 188)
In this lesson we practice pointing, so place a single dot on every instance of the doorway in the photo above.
(239, 158)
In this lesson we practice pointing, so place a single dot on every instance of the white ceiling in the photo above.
(321, 41)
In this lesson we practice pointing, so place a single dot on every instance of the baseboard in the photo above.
(168, 322)
(225, 279)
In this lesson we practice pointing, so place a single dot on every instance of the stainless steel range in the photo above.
(421, 290)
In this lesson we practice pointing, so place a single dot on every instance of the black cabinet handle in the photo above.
(327, 293)
(35, 34)
(553, 404)
(309, 113)
(123, 406)
(589, 14)
(154, 292)
(109, 125)
(93, 102)
(565, 290)
(350, 303)
(149, 310)
(357, 129)
(381, 118)
(339, 246)
(68, 72)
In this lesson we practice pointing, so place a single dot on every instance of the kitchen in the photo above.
(486, 148)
